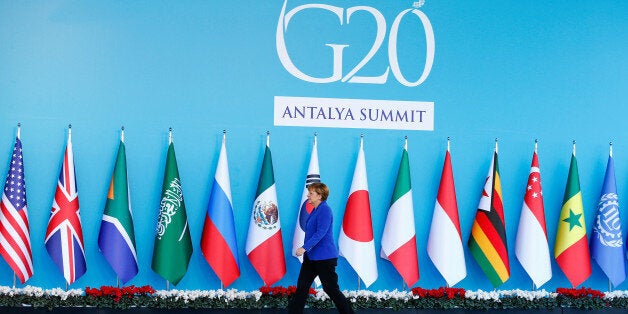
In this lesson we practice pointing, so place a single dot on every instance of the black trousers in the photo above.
(326, 271)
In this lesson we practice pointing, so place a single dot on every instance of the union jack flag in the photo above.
(64, 235)
(15, 243)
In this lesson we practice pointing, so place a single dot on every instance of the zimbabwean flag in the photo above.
(571, 249)
(488, 234)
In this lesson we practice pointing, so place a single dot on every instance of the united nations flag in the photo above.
(607, 247)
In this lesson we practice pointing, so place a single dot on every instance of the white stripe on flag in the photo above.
(361, 257)
(123, 233)
(258, 235)
(399, 227)
(531, 248)
(444, 247)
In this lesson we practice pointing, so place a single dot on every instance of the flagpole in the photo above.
(448, 139)
(170, 136)
(573, 152)
(19, 125)
(267, 138)
(610, 154)
(122, 134)
(496, 152)
(361, 141)
(361, 147)
(536, 148)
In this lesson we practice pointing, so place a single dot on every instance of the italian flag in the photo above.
(399, 238)
(264, 246)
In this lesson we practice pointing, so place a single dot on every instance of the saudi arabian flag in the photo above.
(173, 245)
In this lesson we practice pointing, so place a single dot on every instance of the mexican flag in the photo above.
(264, 245)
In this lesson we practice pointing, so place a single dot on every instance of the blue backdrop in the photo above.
(518, 71)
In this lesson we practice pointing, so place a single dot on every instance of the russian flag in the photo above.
(218, 241)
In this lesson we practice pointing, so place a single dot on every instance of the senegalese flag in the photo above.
(487, 242)
(571, 249)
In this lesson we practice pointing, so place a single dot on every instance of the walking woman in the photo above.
(320, 255)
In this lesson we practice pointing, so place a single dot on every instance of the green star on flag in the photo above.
(573, 220)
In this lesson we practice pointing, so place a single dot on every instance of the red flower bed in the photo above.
(117, 293)
(580, 293)
(282, 291)
(450, 293)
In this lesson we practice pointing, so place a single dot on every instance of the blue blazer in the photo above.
(319, 241)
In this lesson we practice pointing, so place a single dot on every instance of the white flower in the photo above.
(483, 295)
(616, 294)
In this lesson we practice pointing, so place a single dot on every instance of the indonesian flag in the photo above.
(399, 239)
(444, 244)
(571, 249)
(531, 247)
(264, 245)
(356, 242)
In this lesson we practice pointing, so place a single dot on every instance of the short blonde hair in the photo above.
(320, 188)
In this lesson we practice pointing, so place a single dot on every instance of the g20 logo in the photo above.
(337, 49)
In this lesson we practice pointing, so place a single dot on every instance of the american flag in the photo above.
(64, 235)
(15, 243)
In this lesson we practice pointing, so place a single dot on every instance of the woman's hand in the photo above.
(300, 251)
